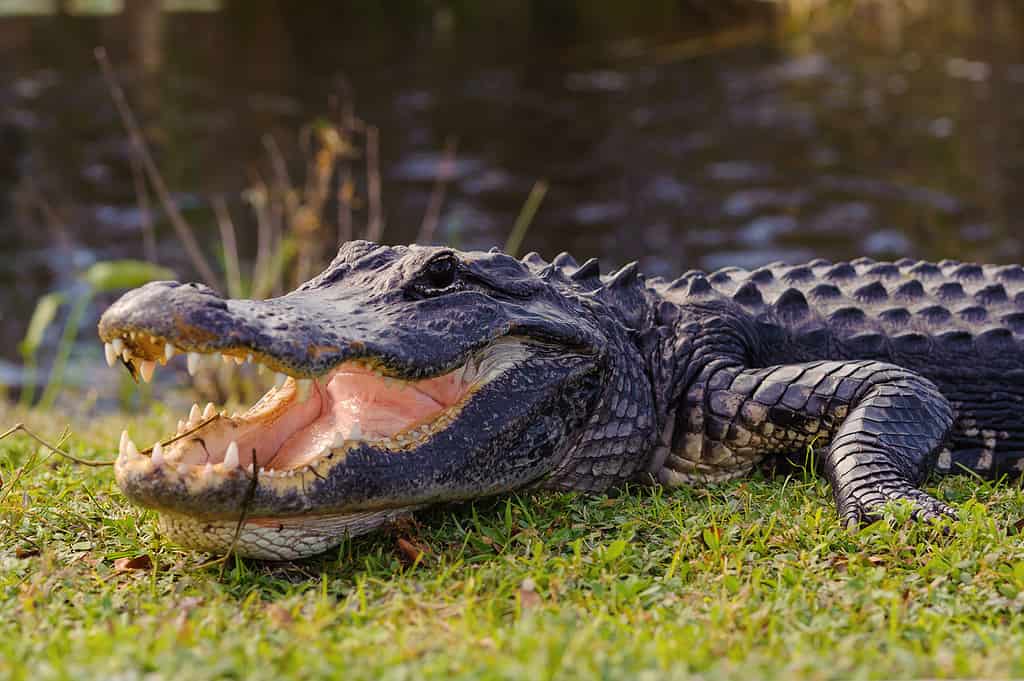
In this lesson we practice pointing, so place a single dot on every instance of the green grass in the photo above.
(749, 579)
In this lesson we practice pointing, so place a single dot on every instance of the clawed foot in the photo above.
(861, 507)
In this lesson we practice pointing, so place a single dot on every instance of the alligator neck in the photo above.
(634, 409)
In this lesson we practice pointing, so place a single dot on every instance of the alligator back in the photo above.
(961, 325)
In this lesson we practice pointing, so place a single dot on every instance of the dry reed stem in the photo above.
(230, 243)
(138, 142)
(375, 219)
(446, 168)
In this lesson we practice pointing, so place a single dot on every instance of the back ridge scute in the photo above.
(911, 306)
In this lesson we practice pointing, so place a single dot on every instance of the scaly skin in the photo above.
(890, 370)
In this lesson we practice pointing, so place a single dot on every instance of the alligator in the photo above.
(413, 375)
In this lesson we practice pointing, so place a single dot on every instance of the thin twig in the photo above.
(375, 218)
(28, 467)
(260, 194)
(250, 494)
(282, 199)
(138, 142)
(145, 214)
(20, 427)
(227, 237)
(445, 170)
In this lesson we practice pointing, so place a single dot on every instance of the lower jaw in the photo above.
(286, 538)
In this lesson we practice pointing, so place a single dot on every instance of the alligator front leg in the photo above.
(883, 427)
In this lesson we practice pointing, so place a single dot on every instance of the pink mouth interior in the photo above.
(352, 404)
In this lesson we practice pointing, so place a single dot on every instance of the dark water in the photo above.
(884, 130)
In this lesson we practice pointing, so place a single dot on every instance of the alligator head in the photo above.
(409, 376)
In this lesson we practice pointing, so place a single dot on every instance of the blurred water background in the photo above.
(683, 134)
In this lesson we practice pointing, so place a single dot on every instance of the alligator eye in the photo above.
(440, 272)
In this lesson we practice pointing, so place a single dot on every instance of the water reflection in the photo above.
(893, 131)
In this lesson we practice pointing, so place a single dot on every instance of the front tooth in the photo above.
(355, 433)
(248, 358)
(146, 369)
(110, 354)
(182, 426)
(193, 363)
(339, 439)
(118, 345)
(207, 470)
(194, 415)
(209, 411)
(157, 456)
(168, 351)
(231, 455)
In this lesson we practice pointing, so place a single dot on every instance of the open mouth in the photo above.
(302, 422)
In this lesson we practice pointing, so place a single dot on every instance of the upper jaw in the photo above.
(304, 334)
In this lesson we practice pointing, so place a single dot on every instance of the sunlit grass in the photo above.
(748, 579)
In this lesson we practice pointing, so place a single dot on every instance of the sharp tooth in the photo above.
(207, 470)
(248, 358)
(109, 353)
(231, 455)
(355, 433)
(157, 457)
(182, 426)
(123, 443)
(303, 389)
(194, 415)
(339, 439)
(209, 410)
(146, 369)
(130, 450)
(118, 345)
(193, 363)
(126, 355)
(168, 351)
(263, 471)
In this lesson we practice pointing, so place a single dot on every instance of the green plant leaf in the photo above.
(42, 317)
(114, 275)
(614, 550)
